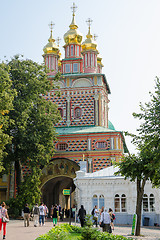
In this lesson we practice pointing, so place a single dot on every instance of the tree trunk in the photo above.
(140, 191)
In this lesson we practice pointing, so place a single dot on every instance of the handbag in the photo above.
(4, 219)
(102, 224)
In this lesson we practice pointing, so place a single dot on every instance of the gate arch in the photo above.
(56, 176)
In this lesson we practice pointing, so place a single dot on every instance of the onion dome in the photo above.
(51, 46)
(51, 54)
(73, 35)
(89, 43)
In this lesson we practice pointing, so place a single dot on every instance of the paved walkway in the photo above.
(17, 231)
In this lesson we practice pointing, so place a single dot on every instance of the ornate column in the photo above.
(68, 110)
(96, 108)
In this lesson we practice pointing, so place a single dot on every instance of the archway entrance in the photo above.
(57, 176)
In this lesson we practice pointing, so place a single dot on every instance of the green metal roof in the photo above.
(110, 125)
(89, 130)
(82, 130)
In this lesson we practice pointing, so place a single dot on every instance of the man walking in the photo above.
(36, 215)
(41, 214)
(26, 215)
(95, 217)
(82, 214)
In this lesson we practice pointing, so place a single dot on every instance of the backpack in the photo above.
(92, 212)
(36, 210)
(113, 216)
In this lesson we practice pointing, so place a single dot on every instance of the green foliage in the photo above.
(6, 98)
(88, 232)
(145, 165)
(14, 209)
(32, 118)
(29, 189)
(29, 193)
(88, 220)
(67, 232)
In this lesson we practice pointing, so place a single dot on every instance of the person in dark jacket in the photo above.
(55, 215)
(82, 214)
(26, 215)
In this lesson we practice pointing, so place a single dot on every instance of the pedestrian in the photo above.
(95, 217)
(112, 216)
(41, 214)
(3, 213)
(82, 214)
(36, 215)
(26, 215)
(105, 218)
(102, 210)
(46, 213)
(55, 215)
(62, 214)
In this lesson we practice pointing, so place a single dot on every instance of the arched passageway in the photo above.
(57, 176)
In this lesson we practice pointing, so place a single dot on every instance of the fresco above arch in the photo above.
(59, 167)
(82, 82)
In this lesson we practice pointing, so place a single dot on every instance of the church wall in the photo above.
(81, 146)
(92, 100)
(110, 186)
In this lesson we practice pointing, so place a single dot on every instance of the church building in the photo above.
(85, 134)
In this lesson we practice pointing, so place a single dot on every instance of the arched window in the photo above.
(86, 59)
(94, 200)
(117, 203)
(123, 203)
(62, 146)
(71, 50)
(151, 203)
(60, 111)
(145, 203)
(77, 51)
(101, 201)
(67, 51)
(77, 112)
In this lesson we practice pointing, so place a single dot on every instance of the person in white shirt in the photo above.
(95, 218)
(105, 217)
(41, 214)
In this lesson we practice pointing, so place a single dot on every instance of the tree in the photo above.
(6, 99)
(146, 165)
(33, 117)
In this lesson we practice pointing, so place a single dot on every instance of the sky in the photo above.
(128, 41)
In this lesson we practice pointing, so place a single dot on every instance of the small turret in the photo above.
(72, 63)
(51, 54)
(89, 52)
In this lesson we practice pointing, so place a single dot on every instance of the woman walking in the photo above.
(3, 213)
(54, 216)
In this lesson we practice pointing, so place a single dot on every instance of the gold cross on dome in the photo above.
(74, 8)
(95, 37)
(58, 41)
(89, 22)
(51, 25)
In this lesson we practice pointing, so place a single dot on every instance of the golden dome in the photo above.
(73, 35)
(99, 60)
(51, 46)
(89, 43)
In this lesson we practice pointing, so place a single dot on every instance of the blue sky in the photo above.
(128, 41)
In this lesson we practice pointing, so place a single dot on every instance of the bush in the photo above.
(88, 220)
(14, 209)
(65, 231)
